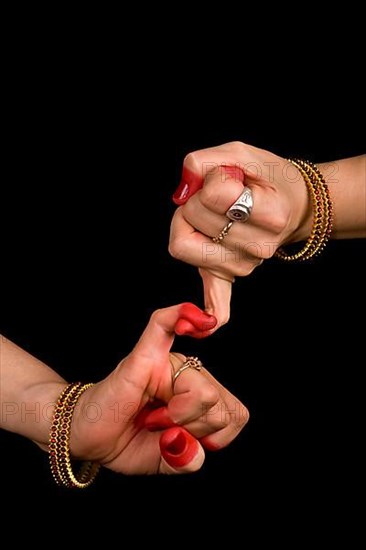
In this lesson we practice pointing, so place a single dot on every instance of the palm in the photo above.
(141, 455)
(119, 439)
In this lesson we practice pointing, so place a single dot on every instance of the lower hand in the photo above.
(144, 423)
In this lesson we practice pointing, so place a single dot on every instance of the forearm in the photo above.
(347, 186)
(28, 392)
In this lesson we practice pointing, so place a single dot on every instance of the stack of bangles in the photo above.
(322, 213)
(59, 452)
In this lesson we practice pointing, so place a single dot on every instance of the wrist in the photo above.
(59, 447)
(36, 411)
(302, 212)
(304, 225)
(80, 433)
(323, 212)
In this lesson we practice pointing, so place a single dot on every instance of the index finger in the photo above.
(197, 165)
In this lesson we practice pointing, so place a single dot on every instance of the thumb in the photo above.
(183, 319)
(217, 296)
(181, 453)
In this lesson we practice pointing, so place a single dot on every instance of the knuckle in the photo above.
(172, 248)
(217, 423)
(244, 415)
(191, 160)
(189, 209)
(177, 359)
(208, 395)
(278, 220)
(156, 315)
(239, 416)
(209, 196)
(266, 253)
(236, 146)
(243, 269)
(224, 319)
(175, 249)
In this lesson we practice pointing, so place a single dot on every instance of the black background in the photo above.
(95, 152)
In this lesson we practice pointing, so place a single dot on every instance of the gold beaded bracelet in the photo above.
(322, 213)
(59, 452)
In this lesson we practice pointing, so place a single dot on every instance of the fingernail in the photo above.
(234, 172)
(158, 419)
(181, 194)
(185, 328)
(207, 322)
(198, 318)
(209, 445)
(178, 447)
(189, 184)
(194, 322)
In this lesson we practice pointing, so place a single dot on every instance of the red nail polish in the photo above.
(158, 420)
(209, 445)
(198, 318)
(234, 172)
(194, 322)
(178, 447)
(189, 185)
(181, 193)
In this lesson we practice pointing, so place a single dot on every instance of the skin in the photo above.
(213, 179)
(134, 421)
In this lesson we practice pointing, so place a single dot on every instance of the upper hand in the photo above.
(212, 181)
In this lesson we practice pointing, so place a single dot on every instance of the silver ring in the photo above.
(189, 363)
(242, 207)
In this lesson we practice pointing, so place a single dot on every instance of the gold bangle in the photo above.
(59, 451)
(322, 213)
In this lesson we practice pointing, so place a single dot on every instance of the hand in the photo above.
(144, 425)
(212, 181)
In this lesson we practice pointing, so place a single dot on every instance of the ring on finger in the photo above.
(221, 236)
(242, 207)
(189, 363)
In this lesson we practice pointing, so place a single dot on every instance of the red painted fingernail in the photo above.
(181, 194)
(198, 318)
(185, 328)
(234, 172)
(194, 322)
(209, 445)
(158, 420)
(189, 184)
(178, 447)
